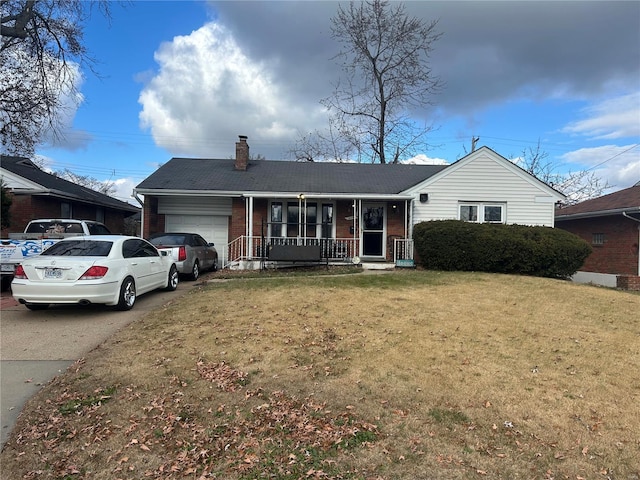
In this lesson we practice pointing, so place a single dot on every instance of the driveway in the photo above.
(37, 346)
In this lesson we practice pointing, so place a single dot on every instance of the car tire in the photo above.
(127, 298)
(195, 271)
(6, 283)
(172, 282)
(36, 306)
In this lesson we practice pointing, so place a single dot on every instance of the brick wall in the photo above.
(153, 221)
(29, 207)
(618, 254)
(628, 282)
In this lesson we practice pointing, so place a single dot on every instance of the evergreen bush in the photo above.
(498, 248)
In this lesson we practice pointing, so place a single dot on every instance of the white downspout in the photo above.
(624, 214)
(141, 202)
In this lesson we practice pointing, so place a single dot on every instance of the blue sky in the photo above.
(182, 78)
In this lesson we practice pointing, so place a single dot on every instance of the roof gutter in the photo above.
(347, 196)
(219, 193)
(602, 213)
(625, 214)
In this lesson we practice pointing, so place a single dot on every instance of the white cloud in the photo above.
(208, 91)
(124, 189)
(613, 118)
(618, 165)
(422, 159)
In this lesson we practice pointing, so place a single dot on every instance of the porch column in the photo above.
(249, 226)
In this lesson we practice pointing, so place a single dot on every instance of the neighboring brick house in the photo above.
(353, 211)
(611, 224)
(38, 194)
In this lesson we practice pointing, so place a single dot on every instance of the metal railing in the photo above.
(255, 248)
(403, 250)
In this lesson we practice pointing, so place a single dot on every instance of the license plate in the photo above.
(7, 268)
(52, 273)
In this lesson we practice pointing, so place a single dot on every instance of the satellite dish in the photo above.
(355, 260)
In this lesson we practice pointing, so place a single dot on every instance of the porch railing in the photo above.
(403, 252)
(255, 248)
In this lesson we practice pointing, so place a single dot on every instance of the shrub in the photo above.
(484, 247)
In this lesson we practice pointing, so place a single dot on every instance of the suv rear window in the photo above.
(80, 248)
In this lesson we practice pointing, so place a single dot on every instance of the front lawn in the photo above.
(403, 375)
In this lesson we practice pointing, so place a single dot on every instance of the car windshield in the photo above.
(79, 248)
(168, 240)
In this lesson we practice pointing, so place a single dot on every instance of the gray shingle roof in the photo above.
(25, 168)
(198, 174)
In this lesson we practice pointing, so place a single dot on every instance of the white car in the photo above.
(104, 269)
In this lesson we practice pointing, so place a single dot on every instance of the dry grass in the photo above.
(410, 375)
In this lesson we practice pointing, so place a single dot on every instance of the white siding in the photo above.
(485, 177)
(194, 205)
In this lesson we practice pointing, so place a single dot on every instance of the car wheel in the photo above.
(36, 306)
(172, 283)
(127, 294)
(195, 271)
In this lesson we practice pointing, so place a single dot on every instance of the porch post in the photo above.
(249, 227)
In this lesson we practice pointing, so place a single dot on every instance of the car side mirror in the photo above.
(211, 244)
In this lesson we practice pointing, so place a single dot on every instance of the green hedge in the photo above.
(486, 247)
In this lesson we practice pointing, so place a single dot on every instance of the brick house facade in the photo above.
(353, 211)
(611, 225)
(38, 194)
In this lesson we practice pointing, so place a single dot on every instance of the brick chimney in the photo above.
(242, 153)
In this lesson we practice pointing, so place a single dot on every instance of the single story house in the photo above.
(611, 224)
(353, 211)
(38, 194)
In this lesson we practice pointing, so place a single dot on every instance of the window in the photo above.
(66, 211)
(493, 213)
(482, 213)
(469, 213)
(327, 220)
(299, 221)
(138, 248)
(79, 248)
(276, 219)
(293, 219)
(597, 239)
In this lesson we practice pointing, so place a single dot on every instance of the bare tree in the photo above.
(577, 186)
(387, 76)
(40, 58)
(107, 187)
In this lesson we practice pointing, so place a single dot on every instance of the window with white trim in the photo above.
(482, 212)
(301, 219)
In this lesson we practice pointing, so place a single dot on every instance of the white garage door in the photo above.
(213, 228)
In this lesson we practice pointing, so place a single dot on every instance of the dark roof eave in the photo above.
(65, 195)
(601, 213)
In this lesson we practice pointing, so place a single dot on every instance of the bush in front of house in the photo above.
(498, 248)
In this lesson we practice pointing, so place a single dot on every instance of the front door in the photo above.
(373, 223)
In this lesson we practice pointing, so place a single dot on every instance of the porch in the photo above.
(345, 230)
(252, 252)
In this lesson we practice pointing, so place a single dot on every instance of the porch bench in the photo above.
(296, 253)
